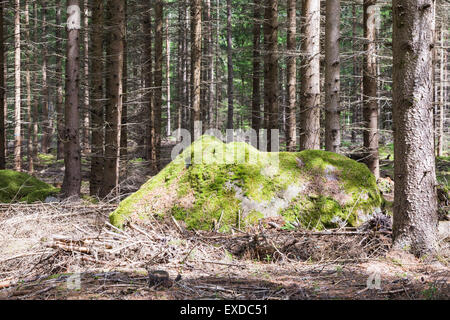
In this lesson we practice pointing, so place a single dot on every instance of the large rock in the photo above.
(21, 187)
(235, 184)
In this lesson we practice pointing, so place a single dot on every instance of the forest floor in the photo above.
(68, 250)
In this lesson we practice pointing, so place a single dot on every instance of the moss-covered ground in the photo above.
(212, 185)
(21, 187)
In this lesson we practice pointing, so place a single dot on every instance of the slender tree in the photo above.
(86, 100)
(256, 86)
(271, 68)
(124, 127)
(17, 90)
(291, 139)
(196, 58)
(332, 76)
(72, 150)
(230, 68)
(2, 94)
(168, 77)
(96, 98)
(115, 19)
(159, 16)
(370, 101)
(59, 86)
(415, 203)
(310, 76)
(46, 124)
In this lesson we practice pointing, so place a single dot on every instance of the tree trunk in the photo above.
(355, 81)
(196, 58)
(256, 87)
(310, 75)
(291, 139)
(28, 85)
(271, 68)
(85, 110)
(96, 97)
(17, 90)
(59, 87)
(332, 76)
(124, 126)
(415, 203)
(72, 150)
(168, 77)
(159, 15)
(442, 64)
(113, 111)
(230, 68)
(45, 144)
(370, 102)
(2, 94)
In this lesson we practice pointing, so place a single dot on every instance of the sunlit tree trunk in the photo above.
(256, 87)
(332, 76)
(370, 103)
(72, 150)
(291, 138)
(17, 90)
(46, 124)
(28, 88)
(196, 58)
(159, 16)
(230, 90)
(310, 76)
(415, 203)
(115, 19)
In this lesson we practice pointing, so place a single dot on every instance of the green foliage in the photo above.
(21, 187)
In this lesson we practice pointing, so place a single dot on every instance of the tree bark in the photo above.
(17, 90)
(114, 88)
(196, 58)
(96, 98)
(256, 87)
(310, 75)
(370, 102)
(291, 138)
(332, 76)
(28, 86)
(59, 87)
(85, 109)
(271, 68)
(230, 68)
(124, 126)
(415, 203)
(2, 94)
(168, 77)
(45, 143)
(72, 150)
(159, 16)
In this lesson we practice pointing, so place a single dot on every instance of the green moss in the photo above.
(21, 187)
(324, 188)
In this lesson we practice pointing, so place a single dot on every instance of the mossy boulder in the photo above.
(216, 185)
(21, 187)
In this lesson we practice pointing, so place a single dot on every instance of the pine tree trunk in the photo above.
(291, 138)
(271, 68)
(332, 76)
(124, 127)
(45, 144)
(85, 109)
(230, 90)
(442, 64)
(370, 102)
(2, 94)
(28, 86)
(115, 18)
(310, 76)
(72, 150)
(355, 81)
(96, 97)
(17, 90)
(196, 59)
(168, 77)
(59, 87)
(159, 15)
(415, 203)
(256, 86)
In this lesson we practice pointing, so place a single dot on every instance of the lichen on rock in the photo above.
(213, 185)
